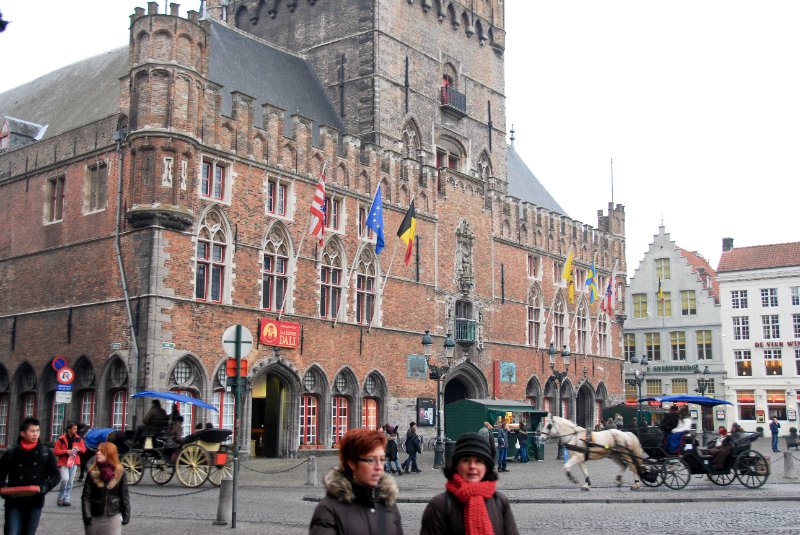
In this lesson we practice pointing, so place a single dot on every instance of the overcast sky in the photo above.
(697, 102)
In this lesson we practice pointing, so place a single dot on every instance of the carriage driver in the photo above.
(155, 420)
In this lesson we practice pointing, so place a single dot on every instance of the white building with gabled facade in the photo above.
(679, 331)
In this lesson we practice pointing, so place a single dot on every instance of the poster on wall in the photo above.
(760, 417)
(426, 412)
(416, 367)
(720, 414)
(791, 415)
(508, 372)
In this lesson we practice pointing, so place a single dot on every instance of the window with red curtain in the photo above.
(369, 413)
(309, 419)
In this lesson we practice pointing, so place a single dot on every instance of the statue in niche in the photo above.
(464, 269)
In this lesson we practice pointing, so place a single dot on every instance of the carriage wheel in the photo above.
(676, 473)
(220, 472)
(723, 479)
(751, 468)
(192, 466)
(655, 473)
(133, 464)
(161, 471)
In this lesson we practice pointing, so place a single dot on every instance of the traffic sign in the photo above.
(65, 375)
(245, 341)
(63, 397)
(58, 363)
(64, 388)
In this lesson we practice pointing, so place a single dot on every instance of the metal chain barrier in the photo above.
(269, 472)
(151, 495)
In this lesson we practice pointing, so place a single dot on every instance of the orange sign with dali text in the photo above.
(278, 333)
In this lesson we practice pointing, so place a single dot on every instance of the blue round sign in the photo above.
(58, 363)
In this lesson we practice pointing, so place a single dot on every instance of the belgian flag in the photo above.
(408, 230)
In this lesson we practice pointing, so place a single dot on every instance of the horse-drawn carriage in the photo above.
(647, 456)
(722, 466)
(199, 457)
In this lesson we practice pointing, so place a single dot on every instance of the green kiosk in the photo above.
(468, 415)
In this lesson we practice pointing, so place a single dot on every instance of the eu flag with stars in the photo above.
(375, 220)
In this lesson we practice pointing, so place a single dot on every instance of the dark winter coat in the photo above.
(391, 448)
(353, 509)
(106, 499)
(35, 467)
(444, 515)
(412, 441)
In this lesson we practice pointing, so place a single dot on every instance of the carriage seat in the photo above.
(212, 436)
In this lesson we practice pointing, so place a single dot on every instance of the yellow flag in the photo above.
(567, 276)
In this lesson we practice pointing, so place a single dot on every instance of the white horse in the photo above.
(621, 447)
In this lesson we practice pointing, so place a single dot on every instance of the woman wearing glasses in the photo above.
(360, 497)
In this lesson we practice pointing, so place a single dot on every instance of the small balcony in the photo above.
(465, 331)
(454, 102)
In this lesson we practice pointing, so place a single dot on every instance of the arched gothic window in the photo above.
(211, 259)
(330, 281)
(275, 271)
(366, 283)
(582, 324)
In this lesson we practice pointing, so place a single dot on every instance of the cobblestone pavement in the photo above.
(272, 498)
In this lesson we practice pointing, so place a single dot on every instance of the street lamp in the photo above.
(439, 373)
(639, 373)
(558, 377)
(702, 386)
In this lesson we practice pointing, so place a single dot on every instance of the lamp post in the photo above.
(558, 376)
(439, 373)
(639, 373)
(702, 385)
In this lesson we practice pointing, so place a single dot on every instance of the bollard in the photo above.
(311, 477)
(788, 466)
(225, 503)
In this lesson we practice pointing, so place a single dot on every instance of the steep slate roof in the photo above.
(699, 265)
(71, 96)
(760, 257)
(25, 128)
(243, 63)
(524, 185)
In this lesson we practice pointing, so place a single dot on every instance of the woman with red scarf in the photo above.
(471, 505)
(105, 504)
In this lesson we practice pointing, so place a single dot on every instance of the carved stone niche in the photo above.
(465, 274)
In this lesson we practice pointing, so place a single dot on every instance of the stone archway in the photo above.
(584, 406)
(466, 381)
(274, 408)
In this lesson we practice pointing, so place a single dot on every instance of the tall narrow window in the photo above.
(363, 230)
(369, 413)
(652, 346)
(309, 419)
(332, 213)
(703, 345)
(212, 180)
(96, 187)
(339, 418)
(741, 328)
(795, 290)
(365, 290)
(274, 277)
(57, 411)
(4, 420)
(796, 325)
(330, 283)
(639, 306)
(28, 405)
(678, 343)
(55, 199)
(771, 328)
(276, 197)
(583, 331)
(662, 269)
(534, 268)
(87, 408)
(602, 335)
(534, 323)
(664, 305)
(558, 323)
(630, 346)
(211, 261)
(688, 303)
(118, 409)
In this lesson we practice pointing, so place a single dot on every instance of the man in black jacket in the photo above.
(28, 464)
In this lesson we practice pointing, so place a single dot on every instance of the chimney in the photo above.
(727, 244)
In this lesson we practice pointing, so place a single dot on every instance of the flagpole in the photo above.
(299, 249)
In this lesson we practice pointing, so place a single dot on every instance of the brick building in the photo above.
(168, 199)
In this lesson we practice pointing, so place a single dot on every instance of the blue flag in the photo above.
(375, 220)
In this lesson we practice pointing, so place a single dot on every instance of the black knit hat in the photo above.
(473, 444)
